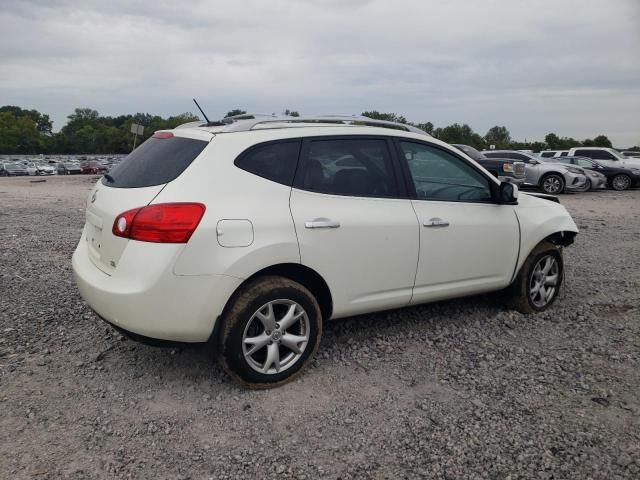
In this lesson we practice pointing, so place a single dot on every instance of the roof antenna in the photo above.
(202, 111)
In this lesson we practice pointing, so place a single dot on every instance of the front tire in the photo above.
(270, 332)
(538, 283)
(587, 186)
(621, 182)
(552, 184)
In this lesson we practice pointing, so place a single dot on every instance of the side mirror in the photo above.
(533, 161)
(508, 193)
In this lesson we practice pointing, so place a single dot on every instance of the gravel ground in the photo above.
(460, 389)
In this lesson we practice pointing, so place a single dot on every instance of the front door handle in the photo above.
(321, 223)
(436, 223)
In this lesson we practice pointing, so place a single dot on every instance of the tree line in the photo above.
(31, 132)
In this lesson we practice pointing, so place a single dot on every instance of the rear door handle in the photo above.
(321, 223)
(436, 223)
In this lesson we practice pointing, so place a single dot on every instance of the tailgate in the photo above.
(103, 206)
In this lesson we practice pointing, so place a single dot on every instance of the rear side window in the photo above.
(357, 167)
(273, 161)
(547, 154)
(155, 162)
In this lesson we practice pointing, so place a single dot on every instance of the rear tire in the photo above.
(270, 332)
(538, 283)
(552, 184)
(621, 182)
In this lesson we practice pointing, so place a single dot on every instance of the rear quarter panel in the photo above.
(230, 193)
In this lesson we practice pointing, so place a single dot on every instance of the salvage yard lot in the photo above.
(459, 389)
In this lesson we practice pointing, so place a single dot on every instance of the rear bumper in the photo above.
(144, 297)
(598, 183)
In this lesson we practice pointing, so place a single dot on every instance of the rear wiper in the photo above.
(109, 178)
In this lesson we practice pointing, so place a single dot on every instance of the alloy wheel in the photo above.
(276, 336)
(544, 281)
(621, 182)
(552, 184)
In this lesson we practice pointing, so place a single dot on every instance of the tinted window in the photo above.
(273, 161)
(156, 161)
(547, 154)
(439, 175)
(564, 154)
(595, 154)
(355, 167)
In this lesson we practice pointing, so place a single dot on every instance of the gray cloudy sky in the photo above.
(536, 66)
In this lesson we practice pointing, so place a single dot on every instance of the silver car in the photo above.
(550, 177)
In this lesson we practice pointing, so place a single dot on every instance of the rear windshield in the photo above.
(155, 162)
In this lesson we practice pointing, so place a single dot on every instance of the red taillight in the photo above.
(161, 223)
(163, 135)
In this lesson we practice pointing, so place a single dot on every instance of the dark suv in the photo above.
(505, 169)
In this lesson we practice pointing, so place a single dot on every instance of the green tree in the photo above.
(498, 136)
(42, 121)
(602, 141)
(235, 112)
(427, 127)
(18, 134)
(553, 141)
(291, 113)
(388, 117)
(463, 134)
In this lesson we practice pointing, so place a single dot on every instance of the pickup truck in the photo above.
(504, 169)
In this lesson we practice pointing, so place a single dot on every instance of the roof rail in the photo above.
(248, 121)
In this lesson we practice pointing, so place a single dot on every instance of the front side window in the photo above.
(273, 161)
(353, 167)
(439, 175)
(547, 154)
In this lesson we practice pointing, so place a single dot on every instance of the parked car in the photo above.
(551, 177)
(13, 169)
(595, 179)
(617, 178)
(34, 168)
(68, 168)
(93, 167)
(504, 169)
(553, 153)
(237, 233)
(608, 156)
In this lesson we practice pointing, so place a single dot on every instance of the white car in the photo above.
(251, 233)
(553, 153)
(607, 156)
(34, 168)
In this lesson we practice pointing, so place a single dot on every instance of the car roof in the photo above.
(254, 122)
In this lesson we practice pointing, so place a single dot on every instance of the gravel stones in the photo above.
(460, 389)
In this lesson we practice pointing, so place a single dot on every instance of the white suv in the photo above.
(253, 231)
